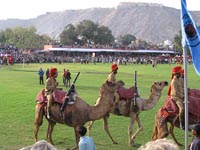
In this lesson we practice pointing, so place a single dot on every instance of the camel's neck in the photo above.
(151, 101)
(101, 108)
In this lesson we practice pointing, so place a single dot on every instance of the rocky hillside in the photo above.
(151, 22)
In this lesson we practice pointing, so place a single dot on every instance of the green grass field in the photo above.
(19, 86)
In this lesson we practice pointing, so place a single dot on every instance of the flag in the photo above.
(190, 36)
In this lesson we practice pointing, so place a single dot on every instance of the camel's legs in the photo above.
(155, 131)
(139, 129)
(50, 130)
(38, 120)
(77, 140)
(89, 126)
(77, 137)
(133, 118)
(130, 130)
(171, 131)
(160, 131)
(106, 128)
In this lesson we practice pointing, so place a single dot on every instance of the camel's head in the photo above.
(158, 86)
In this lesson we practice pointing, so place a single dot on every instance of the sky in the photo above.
(26, 9)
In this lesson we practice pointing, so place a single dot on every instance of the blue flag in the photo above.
(190, 36)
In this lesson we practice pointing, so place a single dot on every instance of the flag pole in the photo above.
(186, 96)
(191, 40)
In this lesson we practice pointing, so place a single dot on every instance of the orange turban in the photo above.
(114, 67)
(182, 71)
(176, 69)
(53, 71)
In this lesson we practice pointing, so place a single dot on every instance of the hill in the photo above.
(149, 21)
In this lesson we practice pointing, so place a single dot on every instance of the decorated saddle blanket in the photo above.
(125, 93)
(171, 107)
(194, 93)
(194, 105)
(58, 96)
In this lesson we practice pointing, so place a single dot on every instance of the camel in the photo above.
(126, 109)
(169, 112)
(77, 114)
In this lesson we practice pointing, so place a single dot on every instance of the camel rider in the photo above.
(176, 91)
(113, 73)
(51, 85)
(182, 78)
(112, 78)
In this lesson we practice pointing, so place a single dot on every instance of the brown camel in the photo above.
(77, 114)
(169, 112)
(162, 131)
(126, 109)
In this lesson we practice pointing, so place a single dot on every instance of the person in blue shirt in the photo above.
(85, 142)
(41, 76)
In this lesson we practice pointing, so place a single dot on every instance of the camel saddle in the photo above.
(194, 92)
(58, 96)
(125, 93)
(170, 109)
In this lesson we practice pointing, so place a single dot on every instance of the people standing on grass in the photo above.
(64, 75)
(41, 76)
(68, 78)
(47, 73)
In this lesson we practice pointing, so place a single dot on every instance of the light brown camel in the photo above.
(126, 109)
(169, 112)
(77, 114)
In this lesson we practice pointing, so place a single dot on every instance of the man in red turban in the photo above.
(112, 78)
(51, 85)
(176, 91)
(182, 78)
(113, 73)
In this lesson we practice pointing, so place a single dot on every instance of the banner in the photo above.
(190, 36)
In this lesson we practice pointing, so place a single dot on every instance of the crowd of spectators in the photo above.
(85, 58)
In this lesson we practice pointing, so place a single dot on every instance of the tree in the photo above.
(69, 35)
(127, 39)
(24, 38)
(103, 36)
(2, 37)
(177, 42)
(87, 31)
